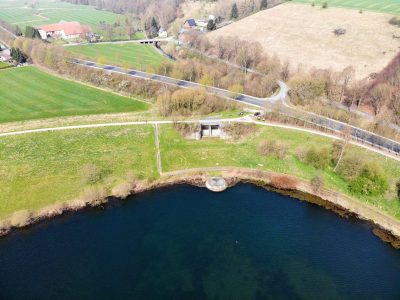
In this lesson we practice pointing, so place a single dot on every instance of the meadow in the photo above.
(385, 6)
(128, 55)
(46, 12)
(27, 93)
(40, 169)
(25, 13)
(277, 30)
(178, 153)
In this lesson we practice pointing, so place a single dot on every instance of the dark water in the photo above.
(187, 243)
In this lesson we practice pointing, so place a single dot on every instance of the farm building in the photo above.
(5, 55)
(162, 33)
(189, 24)
(64, 30)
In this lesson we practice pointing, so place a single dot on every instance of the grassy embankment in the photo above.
(41, 169)
(19, 13)
(128, 55)
(28, 93)
(385, 6)
(178, 153)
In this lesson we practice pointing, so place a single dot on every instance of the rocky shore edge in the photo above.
(384, 226)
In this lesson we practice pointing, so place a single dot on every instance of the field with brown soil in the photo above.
(304, 36)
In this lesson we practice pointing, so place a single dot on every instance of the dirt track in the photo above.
(304, 35)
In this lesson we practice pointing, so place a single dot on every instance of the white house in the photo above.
(162, 33)
(64, 30)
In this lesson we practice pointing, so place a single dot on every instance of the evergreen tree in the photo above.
(17, 55)
(264, 4)
(154, 27)
(18, 31)
(235, 11)
(211, 25)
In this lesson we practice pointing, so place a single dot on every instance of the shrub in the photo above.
(350, 167)
(301, 153)
(371, 181)
(325, 5)
(398, 189)
(318, 158)
(90, 174)
(235, 90)
(394, 21)
(94, 196)
(317, 182)
(273, 147)
(240, 130)
(186, 129)
(306, 88)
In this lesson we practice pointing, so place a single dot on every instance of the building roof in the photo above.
(191, 22)
(69, 28)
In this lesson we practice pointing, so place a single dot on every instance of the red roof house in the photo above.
(64, 30)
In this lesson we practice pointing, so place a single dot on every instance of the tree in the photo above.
(18, 56)
(234, 11)
(235, 90)
(346, 134)
(318, 158)
(18, 31)
(154, 27)
(371, 181)
(211, 25)
(264, 4)
(206, 80)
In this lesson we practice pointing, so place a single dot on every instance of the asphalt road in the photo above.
(358, 134)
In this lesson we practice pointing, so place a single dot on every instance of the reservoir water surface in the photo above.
(185, 242)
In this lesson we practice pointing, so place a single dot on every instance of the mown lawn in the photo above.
(40, 169)
(178, 153)
(28, 93)
(385, 6)
(128, 55)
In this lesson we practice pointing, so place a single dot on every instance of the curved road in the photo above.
(358, 134)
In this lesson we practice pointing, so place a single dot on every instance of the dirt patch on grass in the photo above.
(304, 36)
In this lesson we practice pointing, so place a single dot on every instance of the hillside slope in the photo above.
(304, 36)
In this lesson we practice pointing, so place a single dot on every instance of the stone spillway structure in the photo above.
(216, 184)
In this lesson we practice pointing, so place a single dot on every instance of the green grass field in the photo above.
(4, 65)
(385, 6)
(129, 55)
(28, 93)
(40, 169)
(47, 11)
(178, 153)
(35, 13)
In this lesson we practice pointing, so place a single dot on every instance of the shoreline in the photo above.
(386, 227)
